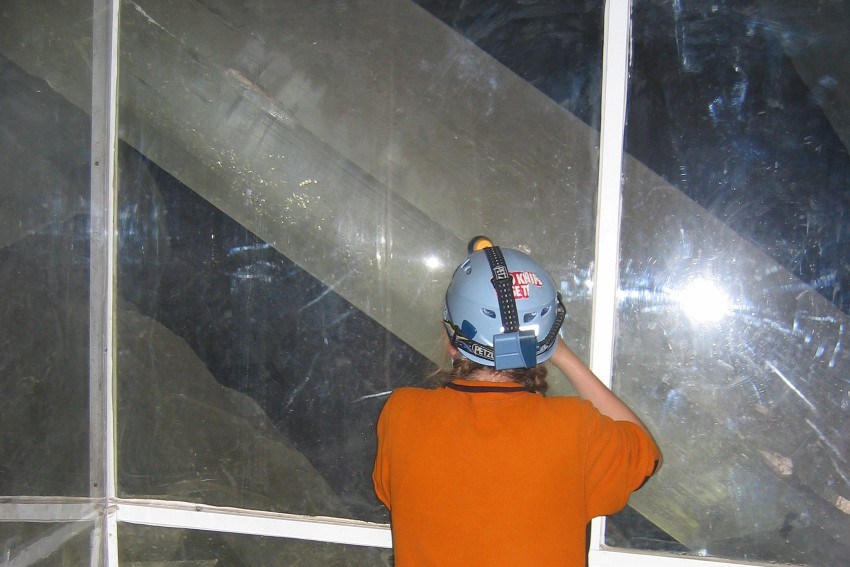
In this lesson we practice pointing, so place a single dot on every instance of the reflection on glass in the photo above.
(47, 545)
(44, 240)
(733, 308)
(295, 187)
(702, 300)
(142, 545)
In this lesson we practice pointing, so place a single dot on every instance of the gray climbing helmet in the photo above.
(502, 309)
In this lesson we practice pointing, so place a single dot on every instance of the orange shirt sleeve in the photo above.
(620, 457)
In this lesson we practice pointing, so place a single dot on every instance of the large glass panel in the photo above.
(555, 45)
(297, 181)
(145, 545)
(734, 277)
(47, 544)
(45, 84)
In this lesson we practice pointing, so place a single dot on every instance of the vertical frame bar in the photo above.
(102, 274)
(615, 72)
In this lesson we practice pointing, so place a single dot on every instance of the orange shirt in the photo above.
(490, 474)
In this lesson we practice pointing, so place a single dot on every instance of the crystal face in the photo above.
(296, 185)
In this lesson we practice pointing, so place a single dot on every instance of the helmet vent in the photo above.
(489, 312)
(528, 317)
(545, 310)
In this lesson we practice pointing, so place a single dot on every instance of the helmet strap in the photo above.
(512, 348)
(503, 282)
(556, 326)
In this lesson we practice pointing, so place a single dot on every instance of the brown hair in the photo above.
(462, 368)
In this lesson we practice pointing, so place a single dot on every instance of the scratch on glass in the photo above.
(837, 349)
(261, 99)
(826, 441)
(790, 385)
(141, 10)
(370, 396)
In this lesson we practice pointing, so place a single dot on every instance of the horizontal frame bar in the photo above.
(234, 520)
(49, 510)
(610, 557)
(186, 515)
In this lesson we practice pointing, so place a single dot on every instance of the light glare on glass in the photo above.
(432, 262)
(703, 301)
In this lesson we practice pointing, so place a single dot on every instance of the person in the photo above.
(484, 470)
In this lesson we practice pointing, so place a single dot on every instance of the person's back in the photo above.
(485, 470)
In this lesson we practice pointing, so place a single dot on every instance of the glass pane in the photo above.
(145, 545)
(734, 277)
(297, 182)
(45, 84)
(46, 545)
(555, 45)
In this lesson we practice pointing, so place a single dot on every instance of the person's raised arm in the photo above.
(589, 387)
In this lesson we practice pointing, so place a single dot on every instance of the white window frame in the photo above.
(103, 261)
(615, 72)
(104, 511)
